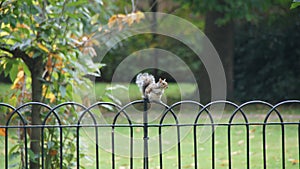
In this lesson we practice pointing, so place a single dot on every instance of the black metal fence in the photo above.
(220, 134)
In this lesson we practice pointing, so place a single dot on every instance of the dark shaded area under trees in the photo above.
(267, 59)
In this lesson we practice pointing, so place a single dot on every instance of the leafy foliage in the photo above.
(48, 40)
(249, 10)
(267, 59)
(47, 49)
(55, 31)
(295, 4)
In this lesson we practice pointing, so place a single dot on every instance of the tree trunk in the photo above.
(222, 37)
(154, 7)
(36, 86)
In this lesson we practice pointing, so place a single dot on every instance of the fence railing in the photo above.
(146, 135)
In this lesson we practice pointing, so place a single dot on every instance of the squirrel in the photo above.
(149, 89)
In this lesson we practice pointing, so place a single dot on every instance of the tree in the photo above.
(47, 48)
(37, 37)
(270, 72)
(221, 36)
(220, 18)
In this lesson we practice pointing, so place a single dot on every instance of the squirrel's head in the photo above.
(162, 83)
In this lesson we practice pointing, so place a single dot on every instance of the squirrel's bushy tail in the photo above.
(143, 80)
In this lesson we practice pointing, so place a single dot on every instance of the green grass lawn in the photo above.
(238, 153)
(204, 139)
(126, 93)
(204, 142)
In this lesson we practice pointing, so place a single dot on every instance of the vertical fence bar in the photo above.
(61, 158)
(283, 145)
(42, 146)
(77, 145)
(97, 147)
(113, 146)
(213, 146)
(160, 148)
(131, 148)
(6, 147)
(299, 143)
(195, 146)
(264, 146)
(145, 122)
(178, 147)
(248, 144)
(25, 147)
(229, 145)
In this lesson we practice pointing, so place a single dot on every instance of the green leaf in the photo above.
(5, 29)
(77, 3)
(12, 22)
(13, 72)
(295, 5)
(24, 31)
(7, 68)
(32, 156)
(25, 68)
(11, 151)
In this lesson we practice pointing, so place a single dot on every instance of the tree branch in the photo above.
(5, 49)
(17, 53)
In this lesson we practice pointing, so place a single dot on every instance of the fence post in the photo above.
(145, 123)
(299, 142)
